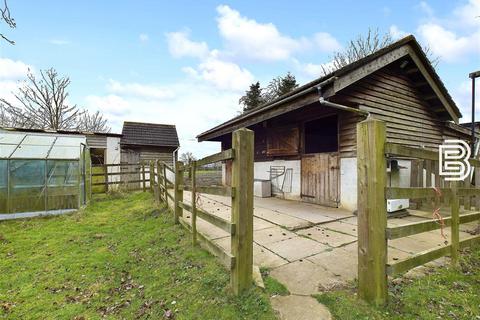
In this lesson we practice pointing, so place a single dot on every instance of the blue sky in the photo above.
(188, 62)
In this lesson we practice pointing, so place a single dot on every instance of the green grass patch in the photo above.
(121, 257)
(272, 286)
(446, 293)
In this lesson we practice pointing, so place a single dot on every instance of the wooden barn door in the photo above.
(320, 178)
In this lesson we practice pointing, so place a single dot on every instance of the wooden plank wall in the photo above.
(393, 98)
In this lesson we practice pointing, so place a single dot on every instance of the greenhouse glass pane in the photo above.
(62, 192)
(6, 150)
(27, 185)
(30, 152)
(11, 138)
(35, 140)
(3, 186)
(69, 141)
(59, 152)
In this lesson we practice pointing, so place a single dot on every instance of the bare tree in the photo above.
(363, 46)
(9, 21)
(187, 157)
(359, 48)
(92, 122)
(42, 103)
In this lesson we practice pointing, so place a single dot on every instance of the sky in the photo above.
(188, 62)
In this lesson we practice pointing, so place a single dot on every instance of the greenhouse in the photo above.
(42, 173)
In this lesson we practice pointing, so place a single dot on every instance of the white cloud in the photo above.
(468, 15)
(180, 45)
(396, 33)
(326, 42)
(455, 37)
(246, 37)
(13, 70)
(224, 75)
(447, 44)
(143, 37)
(312, 70)
(197, 107)
(139, 90)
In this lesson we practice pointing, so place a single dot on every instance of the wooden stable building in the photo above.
(305, 141)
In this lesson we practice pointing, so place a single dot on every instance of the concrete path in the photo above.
(310, 248)
(294, 307)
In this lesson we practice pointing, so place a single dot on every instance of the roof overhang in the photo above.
(339, 80)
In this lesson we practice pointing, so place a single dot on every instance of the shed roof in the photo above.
(149, 134)
(405, 46)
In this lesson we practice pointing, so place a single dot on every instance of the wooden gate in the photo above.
(320, 178)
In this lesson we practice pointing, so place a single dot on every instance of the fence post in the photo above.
(165, 184)
(372, 214)
(151, 175)
(242, 210)
(143, 178)
(193, 169)
(178, 194)
(105, 167)
(454, 229)
(158, 181)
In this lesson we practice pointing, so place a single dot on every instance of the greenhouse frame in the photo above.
(42, 173)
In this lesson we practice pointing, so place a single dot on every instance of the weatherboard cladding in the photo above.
(149, 134)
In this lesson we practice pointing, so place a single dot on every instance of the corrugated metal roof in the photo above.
(149, 134)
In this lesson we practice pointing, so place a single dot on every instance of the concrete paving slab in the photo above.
(294, 307)
(281, 219)
(340, 262)
(261, 256)
(259, 224)
(327, 236)
(271, 235)
(351, 220)
(410, 245)
(305, 278)
(341, 227)
(265, 258)
(296, 248)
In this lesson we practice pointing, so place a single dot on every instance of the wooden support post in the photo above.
(151, 175)
(178, 196)
(193, 169)
(143, 178)
(165, 184)
(158, 182)
(105, 171)
(455, 216)
(242, 210)
(372, 215)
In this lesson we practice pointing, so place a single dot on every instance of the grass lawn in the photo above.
(119, 258)
(443, 294)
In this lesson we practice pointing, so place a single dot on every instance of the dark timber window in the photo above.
(321, 135)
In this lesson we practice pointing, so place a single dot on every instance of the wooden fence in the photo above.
(131, 176)
(373, 233)
(240, 260)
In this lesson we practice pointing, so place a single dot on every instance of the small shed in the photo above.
(143, 142)
(305, 141)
